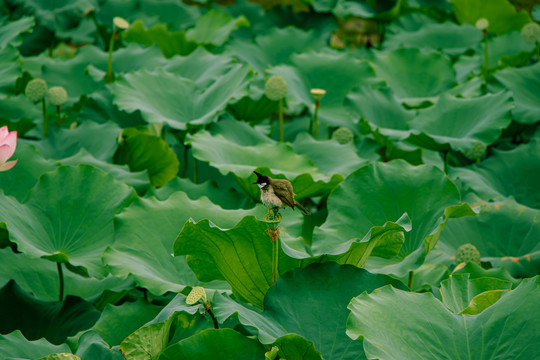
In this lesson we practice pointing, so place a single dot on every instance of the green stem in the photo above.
(186, 159)
(109, 67)
(61, 278)
(44, 111)
(281, 136)
(211, 313)
(195, 169)
(275, 260)
(316, 119)
(486, 63)
(58, 121)
(446, 162)
(411, 280)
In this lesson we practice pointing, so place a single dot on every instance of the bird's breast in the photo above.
(269, 198)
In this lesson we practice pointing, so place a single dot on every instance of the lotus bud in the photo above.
(36, 89)
(317, 94)
(276, 88)
(8, 144)
(57, 95)
(343, 135)
(530, 33)
(120, 23)
(196, 294)
(482, 24)
(467, 253)
(476, 152)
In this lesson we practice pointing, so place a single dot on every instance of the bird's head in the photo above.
(262, 180)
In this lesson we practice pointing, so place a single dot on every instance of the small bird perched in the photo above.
(277, 193)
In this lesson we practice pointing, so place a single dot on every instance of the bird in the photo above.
(277, 193)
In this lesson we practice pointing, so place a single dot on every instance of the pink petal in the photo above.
(5, 151)
(11, 141)
(8, 165)
(3, 133)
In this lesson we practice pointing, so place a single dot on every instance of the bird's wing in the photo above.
(284, 192)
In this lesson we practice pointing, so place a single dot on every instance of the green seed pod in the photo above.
(120, 23)
(467, 253)
(36, 89)
(57, 95)
(196, 294)
(530, 33)
(482, 24)
(343, 135)
(476, 152)
(276, 88)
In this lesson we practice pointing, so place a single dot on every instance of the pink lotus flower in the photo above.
(8, 143)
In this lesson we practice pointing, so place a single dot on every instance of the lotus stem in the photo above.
(61, 279)
(316, 119)
(272, 219)
(486, 62)
(44, 111)
(281, 136)
(186, 159)
(211, 313)
(58, 121)
(275, 260)
(109, 67)
(195, 169)
(446, 161)
(411, 280)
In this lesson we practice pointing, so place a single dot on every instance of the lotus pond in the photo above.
(130, 227)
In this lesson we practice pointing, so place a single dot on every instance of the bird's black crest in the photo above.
(261, 178)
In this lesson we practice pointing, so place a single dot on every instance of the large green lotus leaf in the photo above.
(18, 108)
(295, 347)
(382, 9)
(117, 322)
(150, 93)
(142, 151)
(9, 31)
(143, 251)
(461, 123)
(229, 344)
(170, 43)
(525, 86)
(337, 73)
(215, 27)
(449, 37)
(41, 278)
(98, 139)
(138, 180)
(459, 290)
(16, 346)
(21, 178)
(227, 198)
(395, 324)
(275, 46)
(415, 73)
(324, 154)
(513, 231)
(381, 191)
(230, 157)
(242, 256)
(501, 14)
(68, 216)
(92, 347)
(382, 110)
(506, 173)
(310, 302)
(9, 72)
(53, 320)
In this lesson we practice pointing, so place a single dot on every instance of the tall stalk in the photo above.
(61, 279)
(44, 112)
(281, 136)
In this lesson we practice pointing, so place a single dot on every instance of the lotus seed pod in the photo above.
(318, 94)
(476, 152)
(57, 95)
(276, 88)
(196, 294)
(467, 253)
(36, 89)
(60, 356)
(530, 33)
(120, 23)
(482, 24)
(343, 135)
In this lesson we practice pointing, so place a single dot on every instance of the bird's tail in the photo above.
(304, 210)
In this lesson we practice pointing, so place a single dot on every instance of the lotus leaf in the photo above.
(389, 334)
(9, 71)
(383, 10)
(214, 27)
(146, 254)
(309, 302)
(10, 31)
(15, 345)
(67, 216)
(506, 173)
(150, 92)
